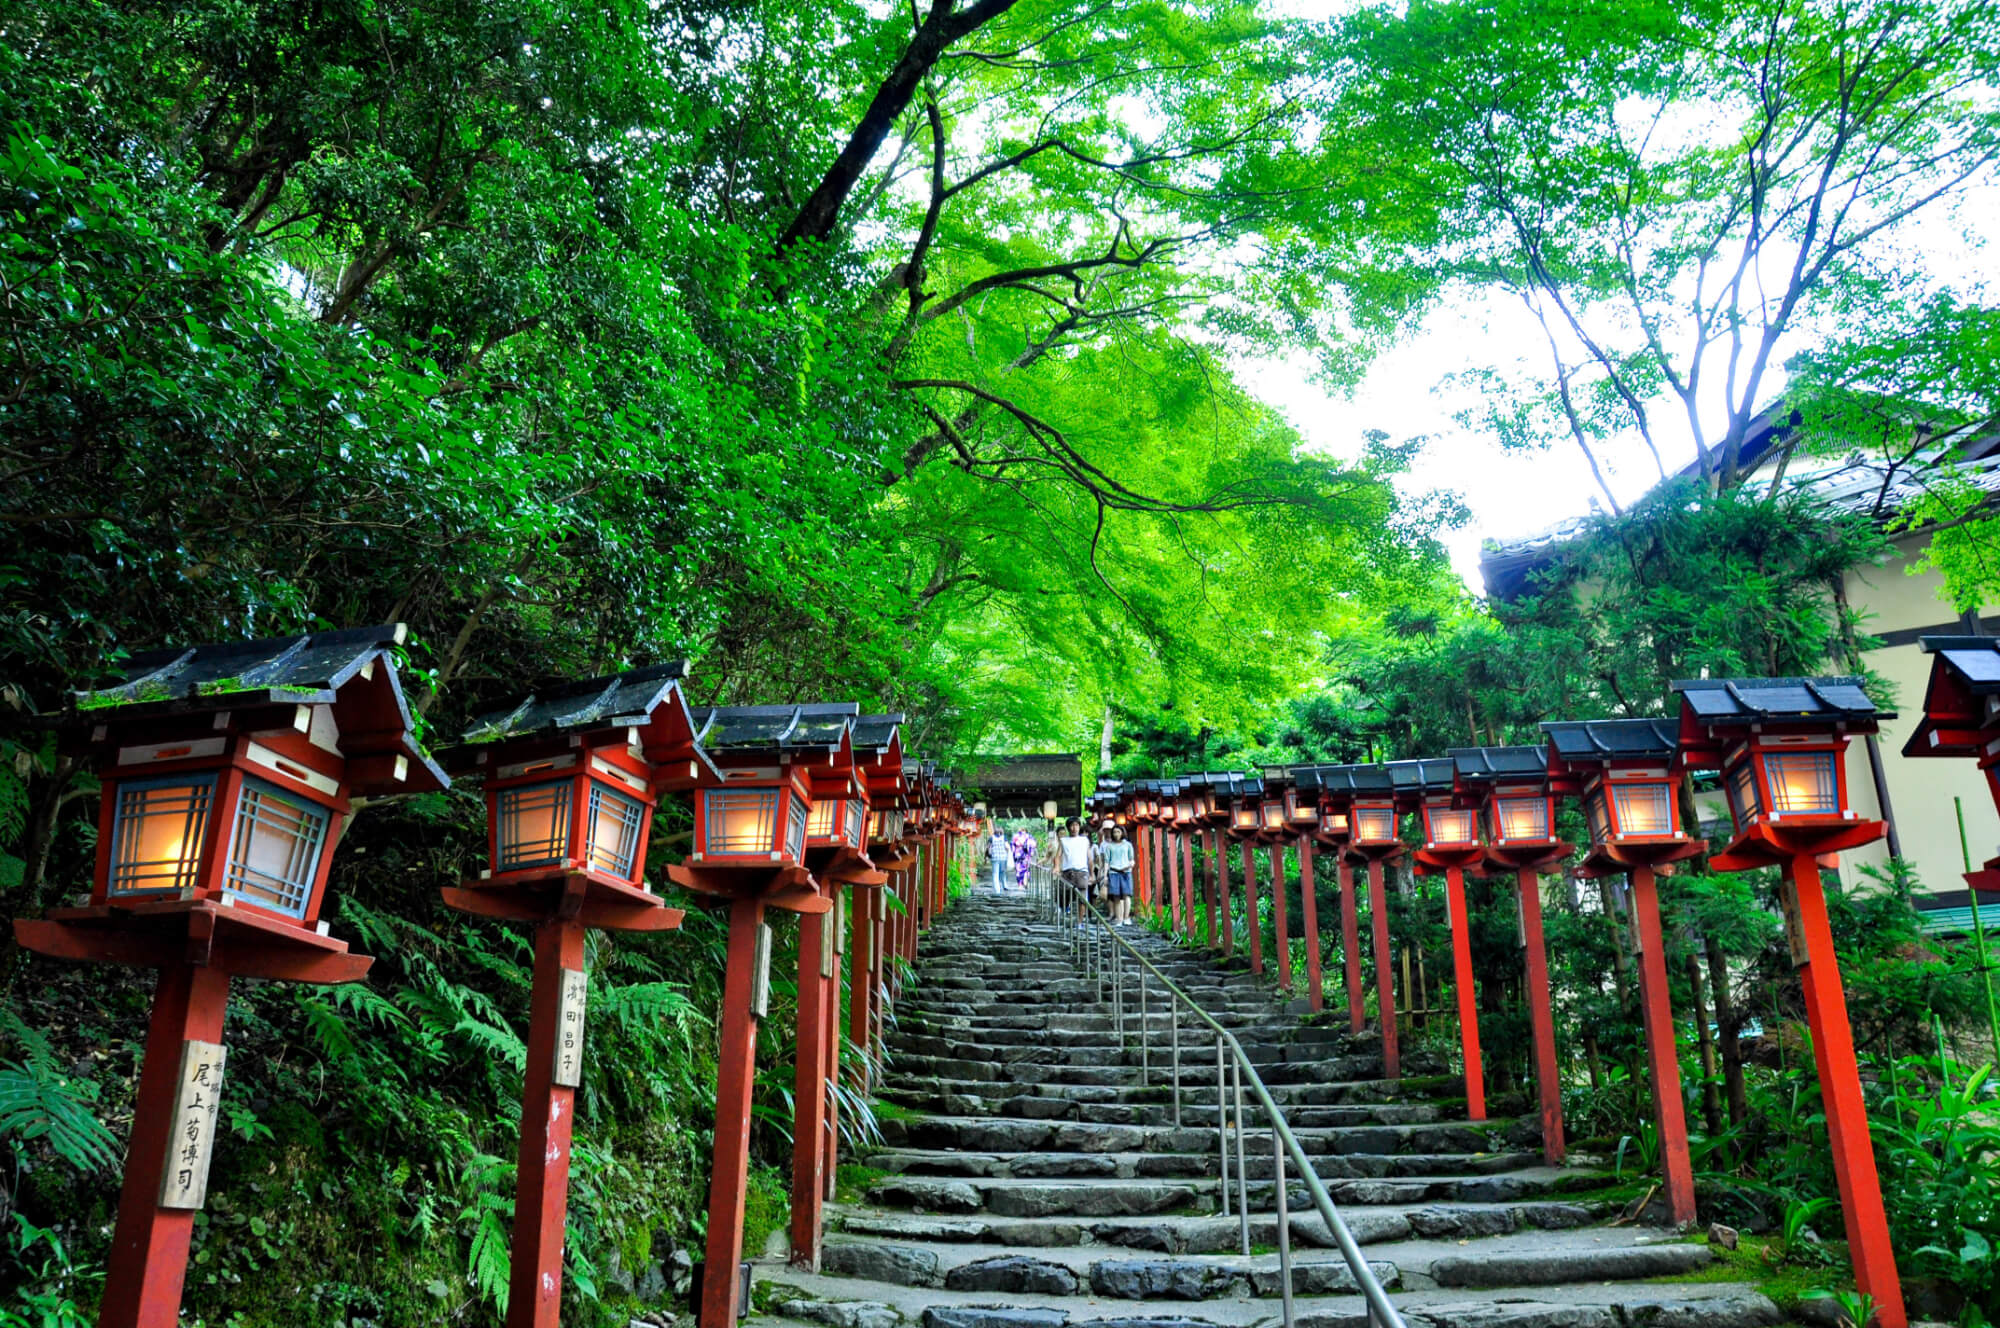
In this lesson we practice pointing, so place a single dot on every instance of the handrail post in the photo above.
(1145, 1038)
(1284, 1224)
(1222, 1123)
(1242, 1184)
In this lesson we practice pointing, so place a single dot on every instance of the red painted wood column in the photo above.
(1548, 1080)
(861, 981)
(1846, 1113)
(1208, 842)
(1251, 918)
(1350, 946)
(735, 1075)
(810, 1079)
(1195, 889)
(1174, 885)
(147, 1266)
(548, 1110)
(832, 1014)
(1468, 995)
(1222, 895)
(1280, 918)
(1669, 1113)
(1385, 971)
(1309, 907)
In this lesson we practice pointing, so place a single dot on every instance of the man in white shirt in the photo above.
(1073, 861)
(1118, 858)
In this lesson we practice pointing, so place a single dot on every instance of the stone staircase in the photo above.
(1033, 1174)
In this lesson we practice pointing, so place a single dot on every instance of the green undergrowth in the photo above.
(852, 1181)
(1756, 1260)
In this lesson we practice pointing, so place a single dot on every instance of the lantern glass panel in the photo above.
(615, 823)
(274, 853)
(1374, 824)
(1333, 823)
(1802, 783)
(1594, 812)
(1184, 809)
(534, 826)
(1744, 803)
(156, 834)
(742, 820)
(1297, 809)
(1643, 809)
(1450, 825)
(1274, 815)
(795, 830)
(823, 822)
(1522, 818)
(1244, 817)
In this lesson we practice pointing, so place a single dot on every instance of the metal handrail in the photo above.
(1089, 945)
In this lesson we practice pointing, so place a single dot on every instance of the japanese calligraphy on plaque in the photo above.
(191, 1139)
(1795, 927)
(569, 1030)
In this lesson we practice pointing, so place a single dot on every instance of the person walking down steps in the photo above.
(1072, 860)
(1118, 858)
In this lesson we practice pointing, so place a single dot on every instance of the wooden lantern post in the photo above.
(1302, 825)
(227, 772)
(878, 747)
(1272, 833)
(1451, 844)
(1517, 801)
(571, 775)
(838, 854)
(749, 856)
(1327, 788)
(1369, 793)
(1628, 773)
(1780, 744)
(1246, 817)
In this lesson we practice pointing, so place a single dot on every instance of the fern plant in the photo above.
(40, 1103)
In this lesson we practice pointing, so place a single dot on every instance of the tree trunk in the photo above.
(1728, 1024)
(1711, 1101)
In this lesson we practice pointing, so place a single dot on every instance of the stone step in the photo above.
(999, 1134)
(1518, 1258)
(1187, 1166)
(1315, 1105)
(1716, 1305)
(1222, 1235)
(1008, 1197)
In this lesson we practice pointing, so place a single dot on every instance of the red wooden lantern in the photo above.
(1779, 743)
(1451, 844)
(1366, 796)
(1627, 772)
(570, 791)
(750, 854)
(1962, 717)
(1517, 802)
(226, 776)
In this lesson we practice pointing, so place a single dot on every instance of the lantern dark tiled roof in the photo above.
(335, 669)
(309, 668)
(1753, 700)
(1356, 780)
(1486, 765)
(1974, 659)
(876, 733)
(782, 728)
(618, 700)
(1595, 741)
(1426, 775)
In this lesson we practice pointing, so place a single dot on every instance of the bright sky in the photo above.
(1407, 394)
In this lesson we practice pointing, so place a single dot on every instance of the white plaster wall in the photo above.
(1921, 791)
